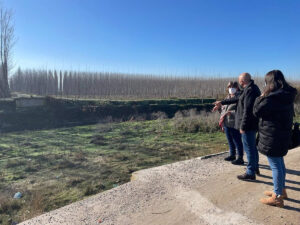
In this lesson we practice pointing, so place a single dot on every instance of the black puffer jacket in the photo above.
(244, 118)
(275, 113)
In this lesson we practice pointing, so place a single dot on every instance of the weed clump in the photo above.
(90, 190)
(12, 163)
(159, 115)
(98, 140)
(80, 156)
(192, 121)
(8, 207)
(65, 163)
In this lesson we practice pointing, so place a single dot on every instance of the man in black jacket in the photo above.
(246, 122)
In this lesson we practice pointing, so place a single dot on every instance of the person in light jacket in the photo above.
(227, 122)
(275, 110)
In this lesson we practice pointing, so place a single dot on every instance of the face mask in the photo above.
(232, 91)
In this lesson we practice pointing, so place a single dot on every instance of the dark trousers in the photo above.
(234, 141)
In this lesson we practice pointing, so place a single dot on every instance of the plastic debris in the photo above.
(58, 176)
(18, 195)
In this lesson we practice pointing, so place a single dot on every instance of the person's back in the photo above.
(275, 110)
(276, 113)
(246, 121)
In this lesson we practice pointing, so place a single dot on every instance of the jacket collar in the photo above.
(284, 95)
(250, 83)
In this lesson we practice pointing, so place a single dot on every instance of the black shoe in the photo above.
(229, 158)
(246, 176)
(239, 161)
(257, 172)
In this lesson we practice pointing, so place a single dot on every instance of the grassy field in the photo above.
(52, 168)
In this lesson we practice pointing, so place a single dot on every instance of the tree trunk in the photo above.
(4, 87)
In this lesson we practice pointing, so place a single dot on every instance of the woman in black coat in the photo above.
(275, 110)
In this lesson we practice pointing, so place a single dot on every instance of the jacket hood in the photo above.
(285, 95)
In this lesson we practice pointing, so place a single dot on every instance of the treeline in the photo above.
(115, 86)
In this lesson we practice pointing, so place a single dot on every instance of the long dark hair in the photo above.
(275, 80)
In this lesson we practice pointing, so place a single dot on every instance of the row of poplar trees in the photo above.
(113, 85)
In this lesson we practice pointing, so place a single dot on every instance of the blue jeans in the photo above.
(249, 143)
(278, 173)
(234, 141)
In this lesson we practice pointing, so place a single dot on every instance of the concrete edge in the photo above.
(212, 155)
(134, 175)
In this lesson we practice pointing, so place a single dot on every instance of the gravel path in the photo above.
(194, 192)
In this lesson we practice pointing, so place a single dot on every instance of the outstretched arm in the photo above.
(230, 100)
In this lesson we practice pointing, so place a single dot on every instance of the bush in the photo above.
(7, 206)
(74, 182)
(80, 156)
(99, 140)
(31, 168)
(64, 164)
(192, 121)
(12, 163)
(36, 205)
(90, 190)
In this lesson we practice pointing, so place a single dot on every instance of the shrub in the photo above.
(74, 182)
(65, 163)
(98, 140)
(90, 190)
(138, 117)
(192, 121)
(7, 206)
(31, 168)
(80, 156)
(11, 163)
(36, 205)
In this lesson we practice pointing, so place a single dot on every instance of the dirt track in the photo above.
(193, 192)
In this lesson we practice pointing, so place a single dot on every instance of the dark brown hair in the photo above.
(274, 80)
(232, 84)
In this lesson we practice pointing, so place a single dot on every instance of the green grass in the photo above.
(55, 167)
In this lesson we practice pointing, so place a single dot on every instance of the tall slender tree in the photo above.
(55, 83)
(60, 82)
(7, 40)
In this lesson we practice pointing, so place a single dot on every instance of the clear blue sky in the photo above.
(209, 37)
